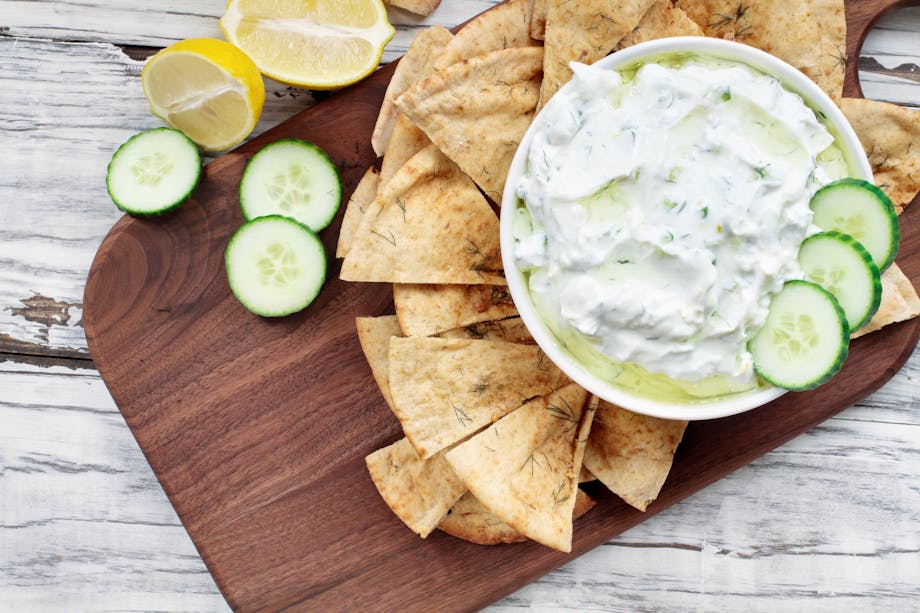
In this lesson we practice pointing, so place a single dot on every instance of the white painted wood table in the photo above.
(828, 521)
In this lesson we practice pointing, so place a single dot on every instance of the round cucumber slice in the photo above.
(275, 266)
(294, 178)
(842, 266)
(863, 211)
(153, 172)
(805, 339)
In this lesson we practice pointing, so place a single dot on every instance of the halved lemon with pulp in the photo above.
(317, 44)
(207, 88)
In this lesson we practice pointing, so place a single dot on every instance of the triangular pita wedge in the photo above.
(429, 225)
(471, 521)
(407, 140)
(415, 65)
(899, 302)
(426, 310)
(538, 20)
(662, 20)
(419, 491)
(630, 453)
(524, 467)
(502, 27)
(583, 31)
(890, 134)
(360, 200)
(419, 7)
(476, 111)
(511, 330)
(374, 335)
(809, 34)
(446, 389)
(586, 476)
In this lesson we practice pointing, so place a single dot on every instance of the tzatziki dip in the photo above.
(661, 209)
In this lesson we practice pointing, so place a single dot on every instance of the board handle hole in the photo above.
(889, 65)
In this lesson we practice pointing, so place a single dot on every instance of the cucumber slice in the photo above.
(153, 172)
(294, 178)
(841, 265)
(863, 211)
(275, 266)
(805, 339)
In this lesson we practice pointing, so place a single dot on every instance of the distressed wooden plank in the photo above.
(97, 530)
(161, 23)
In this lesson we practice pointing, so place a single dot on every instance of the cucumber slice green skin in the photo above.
(275, 266)
(863, 211)
(123, 189)
(804, 341)
(841, 265)
(294, 178)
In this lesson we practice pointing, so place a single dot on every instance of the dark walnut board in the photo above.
(257, 429)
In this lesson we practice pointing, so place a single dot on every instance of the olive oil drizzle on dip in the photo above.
(661, 209)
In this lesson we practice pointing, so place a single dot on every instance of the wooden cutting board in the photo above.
(257, 429)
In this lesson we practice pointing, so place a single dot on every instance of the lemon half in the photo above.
(316, 44)
(207, 88)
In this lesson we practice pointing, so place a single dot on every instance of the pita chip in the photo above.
(406, 140)
(662, 20)
(476, 111)
(583, 31)
(505, 26)
(511, 330)
(447, 389)
(899, 302)
(471, 521)
(890, 134)
(524, 467)
(419, 7)
(359, 202)
(809, 34)
(420, 492)
(426, 310)
(538, 20)
(429, 225)
(415, 65)
(374, 335)
(630, 453)
(585, 475)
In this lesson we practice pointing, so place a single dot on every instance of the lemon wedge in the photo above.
(322, 44)
(207, 88)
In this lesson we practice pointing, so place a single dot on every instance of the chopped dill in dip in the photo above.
(661, 210)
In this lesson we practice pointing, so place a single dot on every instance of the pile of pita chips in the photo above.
(497, 438)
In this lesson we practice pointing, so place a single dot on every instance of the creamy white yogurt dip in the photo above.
(662, 209)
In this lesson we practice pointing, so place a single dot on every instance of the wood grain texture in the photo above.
(828, 521)
(253, 424)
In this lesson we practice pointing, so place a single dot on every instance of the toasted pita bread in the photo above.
(583, 31)
(899, 302)
(890, 134)
(426, 310)
(419, 7)
(476, 111)
(809, 34)
(538, 20)
(662, 20)
(585, 476)
(471, 521)
(360, 200)
(419, 491)
(415, 65)
(429, 225)
(446, 389)
(374, 335)
(405, 141)
(524, 467)
(503, 27)
(630, 453)
(511, 330)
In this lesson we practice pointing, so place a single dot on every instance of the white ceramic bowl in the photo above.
(794, 81)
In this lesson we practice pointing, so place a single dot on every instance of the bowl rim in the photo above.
(792, 80)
